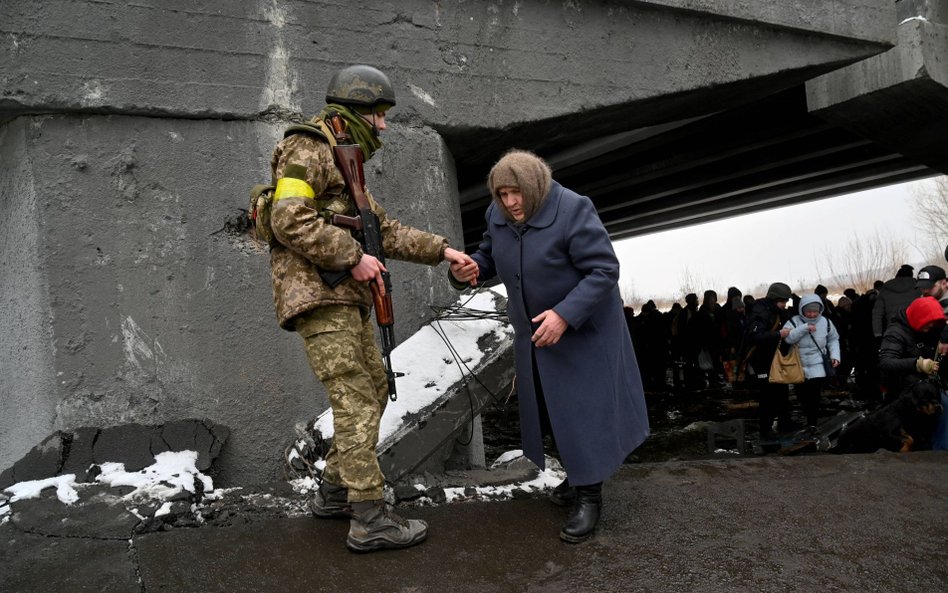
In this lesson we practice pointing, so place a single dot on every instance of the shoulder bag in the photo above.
(827, 361)
(786, 369)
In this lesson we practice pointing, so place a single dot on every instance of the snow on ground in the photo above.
(547, 479)
(65, 488)
(172, 472)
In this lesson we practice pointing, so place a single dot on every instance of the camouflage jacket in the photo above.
(306, 243)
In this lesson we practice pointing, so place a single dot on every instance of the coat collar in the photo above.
(544, 217)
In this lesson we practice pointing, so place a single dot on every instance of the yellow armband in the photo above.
(293, 184)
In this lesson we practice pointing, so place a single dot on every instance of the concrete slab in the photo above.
(461, 64)
(898, 99)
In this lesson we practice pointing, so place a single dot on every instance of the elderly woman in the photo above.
(577, 376)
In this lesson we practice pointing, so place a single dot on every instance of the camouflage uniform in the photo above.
(335, 323)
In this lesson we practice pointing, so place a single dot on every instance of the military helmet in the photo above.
(360, 86)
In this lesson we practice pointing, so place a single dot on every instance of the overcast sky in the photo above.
(777, 245)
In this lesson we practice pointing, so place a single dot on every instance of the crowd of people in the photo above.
(876, 345)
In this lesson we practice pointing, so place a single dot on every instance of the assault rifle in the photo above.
(349, 161)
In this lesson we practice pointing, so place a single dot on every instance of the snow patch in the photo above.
(546, 479)
(64, 484)
(172, 472)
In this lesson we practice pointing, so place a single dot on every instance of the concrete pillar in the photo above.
(128, 297)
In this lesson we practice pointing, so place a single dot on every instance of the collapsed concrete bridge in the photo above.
(130, 134)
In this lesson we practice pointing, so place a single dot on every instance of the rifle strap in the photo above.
(320, 128)
(340, 138)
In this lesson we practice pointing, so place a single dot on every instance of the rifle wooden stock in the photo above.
(384, 312)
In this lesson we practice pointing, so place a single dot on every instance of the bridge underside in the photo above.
(878, 122)
(766, 154)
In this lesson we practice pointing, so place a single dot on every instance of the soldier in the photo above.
(334, 321)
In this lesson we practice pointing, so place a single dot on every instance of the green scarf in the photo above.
(359, 129)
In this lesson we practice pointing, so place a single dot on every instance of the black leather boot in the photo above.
(585, 514)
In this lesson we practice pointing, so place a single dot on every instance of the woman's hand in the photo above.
(463, 268)
(551, 328)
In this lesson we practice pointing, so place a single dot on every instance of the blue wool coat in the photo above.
(562, 259)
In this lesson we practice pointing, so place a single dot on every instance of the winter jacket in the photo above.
(901, 348)
(763, 335)
(895, 295)
(812, 345)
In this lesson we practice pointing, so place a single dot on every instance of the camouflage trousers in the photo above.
(341, 348)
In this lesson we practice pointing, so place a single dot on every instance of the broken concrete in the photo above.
(899, 98)
(133, 445)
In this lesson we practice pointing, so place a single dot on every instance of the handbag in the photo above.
(827, 361)
(786, 369)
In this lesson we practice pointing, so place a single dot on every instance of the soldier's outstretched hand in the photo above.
(463, 267)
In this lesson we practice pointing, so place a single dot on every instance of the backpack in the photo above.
(261, 203)
(261, 195)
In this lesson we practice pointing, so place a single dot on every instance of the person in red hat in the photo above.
(909, 346)
(909, 355)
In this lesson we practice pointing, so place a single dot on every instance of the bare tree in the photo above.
(931, 213)
(692, 282)
(865, 259)
(629, 294)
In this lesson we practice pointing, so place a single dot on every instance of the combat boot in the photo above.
(378, 527)
(584, 516)
(563, 495)
(330, 502)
